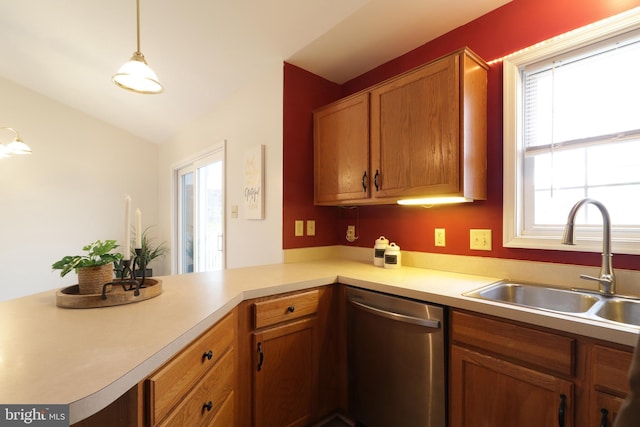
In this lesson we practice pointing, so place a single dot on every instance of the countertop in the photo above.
(87, 358)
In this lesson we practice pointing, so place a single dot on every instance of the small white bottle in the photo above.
(378, 251)
(392, 256)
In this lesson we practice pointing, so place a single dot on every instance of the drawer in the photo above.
(171, 382)
(546, 351)
(611, 369)
(282, 309)
(210, 400)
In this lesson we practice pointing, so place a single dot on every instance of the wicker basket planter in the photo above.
(91, 279)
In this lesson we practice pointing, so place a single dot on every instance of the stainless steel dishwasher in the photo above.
(396, 361)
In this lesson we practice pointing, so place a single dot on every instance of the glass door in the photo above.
(201, 214)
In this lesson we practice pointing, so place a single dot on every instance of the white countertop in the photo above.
(87, 358)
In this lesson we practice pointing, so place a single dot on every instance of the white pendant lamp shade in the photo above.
(15, 147)
(136, 76)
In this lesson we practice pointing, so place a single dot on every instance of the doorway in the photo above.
(200, 213)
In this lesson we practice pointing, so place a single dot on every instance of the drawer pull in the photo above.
(208, 355)
(605, 415)
(207, 406)
(561, 409)
(291, 309)
(261, 355)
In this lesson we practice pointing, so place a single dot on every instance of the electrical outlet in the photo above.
(480, 240)
(440, 237)
(311, 227)
(299, 228)
(351, 233)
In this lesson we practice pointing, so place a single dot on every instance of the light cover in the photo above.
(428, 201)
(16, 146)
(136, 76)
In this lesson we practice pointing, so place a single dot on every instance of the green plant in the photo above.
(98, 253)
(150, 250)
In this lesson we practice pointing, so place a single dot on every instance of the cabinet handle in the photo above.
(375, 180)
(261, 354)
(291, 309)
(603, 419)
(364, 181)
(208, 355)
(561, 409)
(207, 406)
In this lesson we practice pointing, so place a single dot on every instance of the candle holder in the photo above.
(128, 279)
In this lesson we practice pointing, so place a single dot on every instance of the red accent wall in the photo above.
(303, 92)
(514, 26)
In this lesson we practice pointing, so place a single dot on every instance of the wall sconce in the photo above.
(16, 146)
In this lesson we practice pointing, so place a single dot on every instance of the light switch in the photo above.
(311, 227)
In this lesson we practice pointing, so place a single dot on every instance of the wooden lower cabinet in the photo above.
(197, 387)
(505, 373)
(609, 382)
(488, 391)
(285, 376)
(291, 374)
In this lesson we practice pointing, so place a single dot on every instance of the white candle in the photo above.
(138, 228)
(127, 228)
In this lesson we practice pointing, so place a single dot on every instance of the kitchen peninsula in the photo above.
(88, 358)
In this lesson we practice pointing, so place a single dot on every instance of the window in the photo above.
(572, 130)
(200, 213)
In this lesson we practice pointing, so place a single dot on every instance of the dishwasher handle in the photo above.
(429, 323)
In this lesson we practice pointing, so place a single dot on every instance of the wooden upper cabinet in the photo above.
(341, 151)
(415, 132)
(426, 135)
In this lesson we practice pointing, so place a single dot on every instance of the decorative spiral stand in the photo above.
(128, 276)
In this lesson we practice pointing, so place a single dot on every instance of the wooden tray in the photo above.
(70, 298)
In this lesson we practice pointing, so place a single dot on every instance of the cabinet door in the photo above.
(341, 151)
(610, 383)
(285, 371)
(606, 409)
(415, 132)
(487, 391)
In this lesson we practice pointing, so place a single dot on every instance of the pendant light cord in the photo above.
(138, 23)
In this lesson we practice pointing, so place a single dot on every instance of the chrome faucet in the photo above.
(607, 280)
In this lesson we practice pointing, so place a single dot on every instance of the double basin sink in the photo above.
(579, 303)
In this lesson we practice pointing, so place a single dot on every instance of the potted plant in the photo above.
(94, 269)
(150, 251)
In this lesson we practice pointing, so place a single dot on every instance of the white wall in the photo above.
(251, 116)
(69, 192)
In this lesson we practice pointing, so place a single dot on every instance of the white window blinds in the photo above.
(584, 98)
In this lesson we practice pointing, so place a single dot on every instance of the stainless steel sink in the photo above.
(565, 301)
(580, 303)
(621, 311)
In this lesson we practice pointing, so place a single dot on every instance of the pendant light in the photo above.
(136, 75)
(16, 146)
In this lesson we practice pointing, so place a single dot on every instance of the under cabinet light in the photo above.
(429, 201)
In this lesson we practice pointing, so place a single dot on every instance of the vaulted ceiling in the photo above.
(204, 50)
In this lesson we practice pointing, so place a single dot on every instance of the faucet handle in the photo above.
(605, 281)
